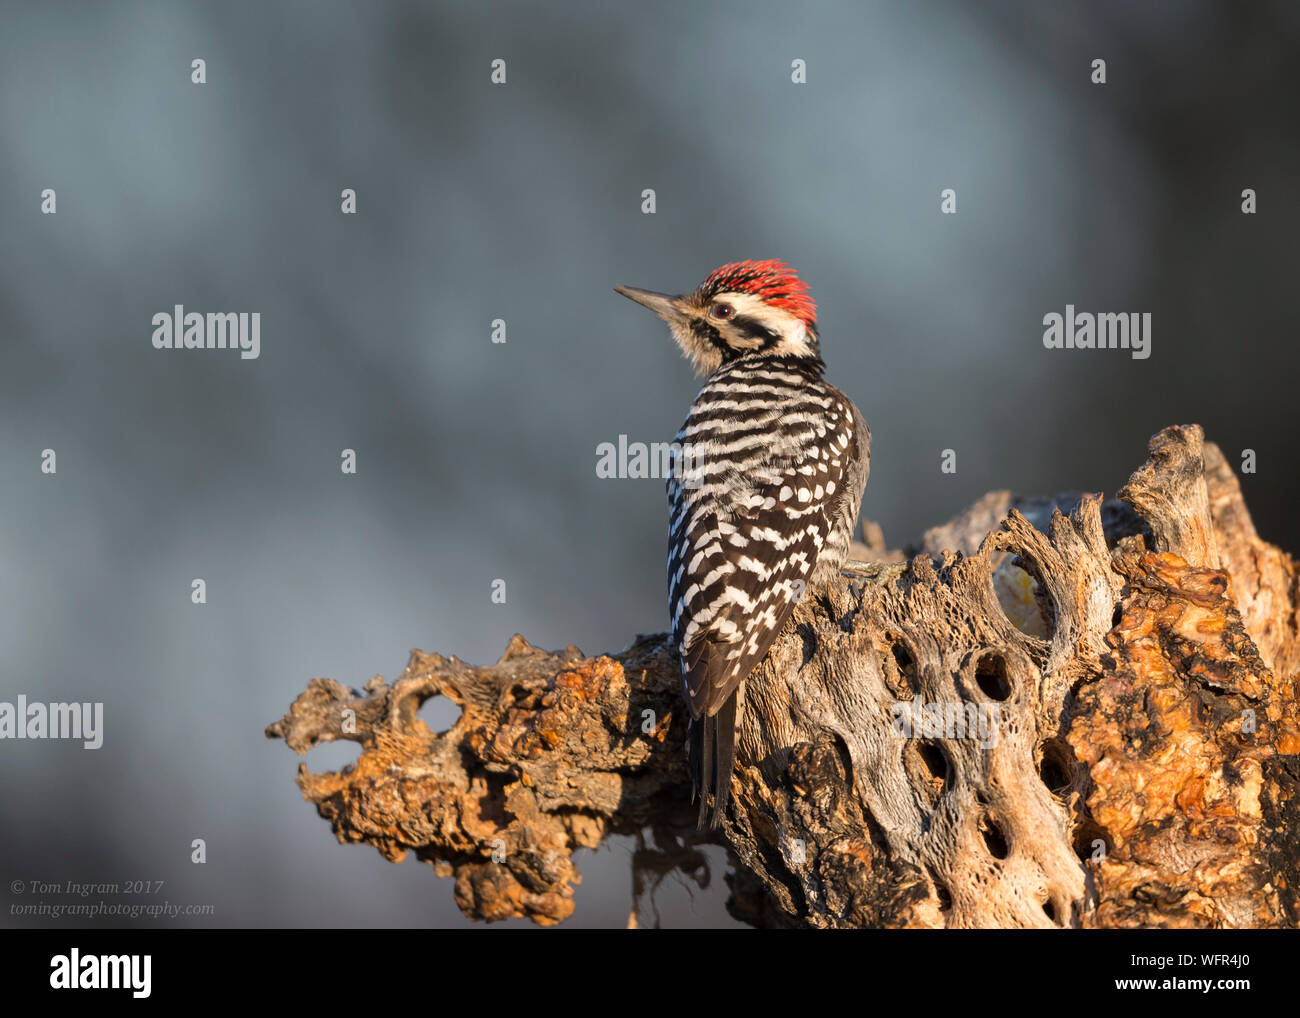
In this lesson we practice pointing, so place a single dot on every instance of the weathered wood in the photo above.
(1115, 743)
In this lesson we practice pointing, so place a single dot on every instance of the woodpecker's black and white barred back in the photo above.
(775, 461)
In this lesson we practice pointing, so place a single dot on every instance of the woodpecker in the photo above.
(773, 464)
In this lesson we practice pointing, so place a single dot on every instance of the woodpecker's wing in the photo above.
(743, 544)
(730, 620)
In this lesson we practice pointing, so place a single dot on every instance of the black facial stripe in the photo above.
(707, 332)
(752, 328)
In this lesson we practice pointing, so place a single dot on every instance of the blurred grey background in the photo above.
(477, 461)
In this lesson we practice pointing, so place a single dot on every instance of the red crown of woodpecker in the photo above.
(772, 281)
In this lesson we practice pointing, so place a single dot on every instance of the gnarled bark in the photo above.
(1052, 712)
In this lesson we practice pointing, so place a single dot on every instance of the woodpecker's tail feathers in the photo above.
(713, 756)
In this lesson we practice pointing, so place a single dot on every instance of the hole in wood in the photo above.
(334, 756)
(439, 713)
(991, 675)
(1090, 841)
(1049, 910)
(927, 769)
(943, 894)
(935, 762)
(900, 670)
(1023, 597)
(994, 840)
(1055, 768)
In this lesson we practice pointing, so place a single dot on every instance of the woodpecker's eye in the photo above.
(723, 311)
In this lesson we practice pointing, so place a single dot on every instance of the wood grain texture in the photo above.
(1107, 734)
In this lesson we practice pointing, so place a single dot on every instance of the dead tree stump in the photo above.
(1051, 713)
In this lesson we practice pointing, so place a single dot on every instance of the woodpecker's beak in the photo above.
(662, 304)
